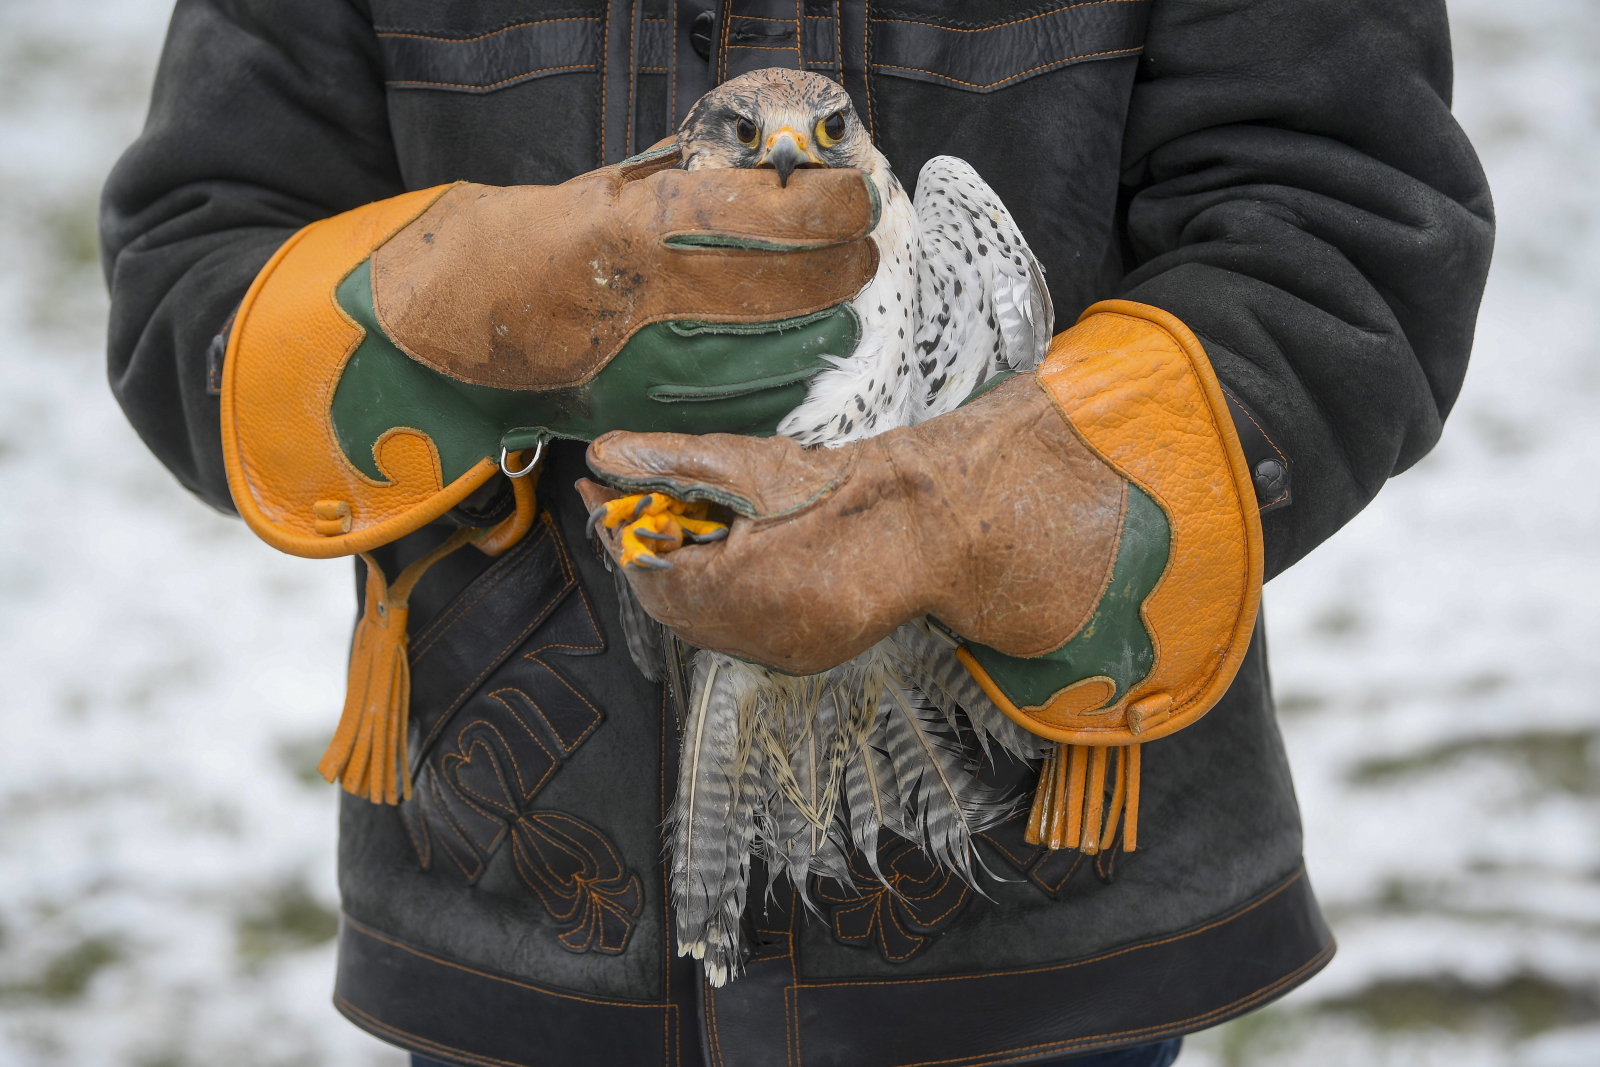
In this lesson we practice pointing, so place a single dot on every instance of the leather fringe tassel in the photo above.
(1070, 809)
(368, 752)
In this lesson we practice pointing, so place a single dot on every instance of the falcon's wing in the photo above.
(981, 293)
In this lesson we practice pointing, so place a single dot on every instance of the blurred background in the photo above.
(167, 683)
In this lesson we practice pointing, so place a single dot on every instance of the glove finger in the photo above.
(759, 478)
(593, 494)
(750, 210)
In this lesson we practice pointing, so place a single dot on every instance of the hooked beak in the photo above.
(787, 150)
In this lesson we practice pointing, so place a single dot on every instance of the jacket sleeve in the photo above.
(266, 115)
(1299, 195)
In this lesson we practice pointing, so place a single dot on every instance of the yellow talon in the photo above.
(654, 524)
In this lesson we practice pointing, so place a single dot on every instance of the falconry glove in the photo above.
(389, 362)
(1088, 534)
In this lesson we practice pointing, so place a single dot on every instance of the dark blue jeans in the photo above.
(1160, 1055)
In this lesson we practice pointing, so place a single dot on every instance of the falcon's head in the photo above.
(778, 118)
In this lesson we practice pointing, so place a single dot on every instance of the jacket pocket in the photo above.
(462, 48)
(984, 55)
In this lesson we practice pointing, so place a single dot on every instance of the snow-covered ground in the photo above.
(166, 682)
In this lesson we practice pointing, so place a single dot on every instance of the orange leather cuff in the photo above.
(1136, 385)
(290, 479)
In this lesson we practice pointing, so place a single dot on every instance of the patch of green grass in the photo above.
(1521, 1006)
(73, 235)
(67, 290)
(66, 977)
(1524, 1004)
(1439, 899)
(1254, 1038)
(1296, 703)
(1338, 621)
(1561, 761)
(289, 919)
(300, 758)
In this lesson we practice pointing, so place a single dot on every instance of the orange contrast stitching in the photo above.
(661, 807)
(526, 791)
(866, 66)
(495, 85)
(1177, 1025)
(381, 1027)
(555, 601)
(722, 55)
(486, 36)
(716, 1035)
(1263, 430)
(452, 613)
(838, 45)
(1299, 874)
(672, 88)
(462, 837)
(520, 984)
(604, 67)
(633, 41)
(1024, 73)
(1003, 25)
(961, 899)
(466, 792)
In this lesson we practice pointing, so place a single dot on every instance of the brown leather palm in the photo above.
(538, 287)
(996, 519)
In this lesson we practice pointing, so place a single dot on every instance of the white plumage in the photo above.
(799, 771)
(958, 297)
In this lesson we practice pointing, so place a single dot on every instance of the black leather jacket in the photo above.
(1283, 175)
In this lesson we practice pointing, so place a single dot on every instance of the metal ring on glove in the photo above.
(538, 453)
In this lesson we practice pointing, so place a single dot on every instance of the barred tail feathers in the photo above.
(713, 817)
(929, 659)
(801, 745)
(944, 803)
(643, 634)
(872, 796)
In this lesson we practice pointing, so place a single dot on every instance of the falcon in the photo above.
(799, 771)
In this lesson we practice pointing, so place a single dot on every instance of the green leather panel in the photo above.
(1114, 642)
(743, 244)
(671, 377)
(995, 379)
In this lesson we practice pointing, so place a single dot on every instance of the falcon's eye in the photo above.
(830, 131)
(747, 132)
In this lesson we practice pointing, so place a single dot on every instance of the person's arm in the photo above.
(266, 115)
(1303, 200)
(387, 351)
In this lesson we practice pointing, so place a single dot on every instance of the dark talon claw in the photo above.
(647, 562)
(706, 538)
(644, 502)
(594, 520)
(654, 535)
